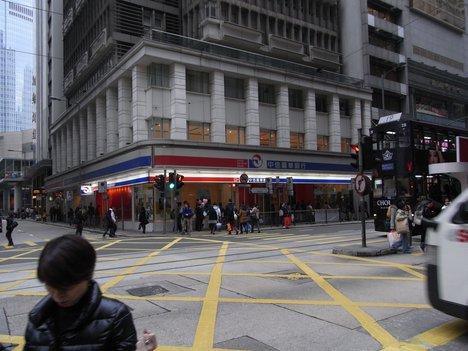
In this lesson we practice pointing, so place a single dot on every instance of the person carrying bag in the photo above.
(402, 218)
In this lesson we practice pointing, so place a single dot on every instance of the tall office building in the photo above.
(8, 114)
(412, 54)
(212, 89)
(17, 24)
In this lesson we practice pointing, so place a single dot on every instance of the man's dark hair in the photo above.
(66, 261)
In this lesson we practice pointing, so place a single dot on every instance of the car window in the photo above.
(461, 217)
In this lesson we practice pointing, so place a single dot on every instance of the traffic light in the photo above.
(368, 159)
(172, 180)
(179, 181)
(160, 182)
(355, 156)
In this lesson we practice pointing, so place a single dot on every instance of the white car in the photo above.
(447, 250)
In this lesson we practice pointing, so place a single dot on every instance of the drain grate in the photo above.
(147, 290)
(244, 343)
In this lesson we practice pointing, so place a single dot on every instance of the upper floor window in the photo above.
(322, 143)
(346, 145)
(296, 98)
(321, 103)
(297, 140)
(159, 128)
(198, 131)
(267, 137)
(198, 82)
(158, 75)
(235, 135)
(234, 88)
(344, 107)
(266, 93)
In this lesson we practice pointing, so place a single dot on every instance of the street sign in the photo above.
(244, 178)
(259, 190)
(362, 184)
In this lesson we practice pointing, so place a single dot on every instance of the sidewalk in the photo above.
(133, 232)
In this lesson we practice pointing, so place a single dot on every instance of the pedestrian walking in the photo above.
(75, 315)
(143, 219)
(79, 221)
(187, 215)
(255, 217)
(111, 223)
(212, 217)
(243, 220)
(11, 224)
(231, 217)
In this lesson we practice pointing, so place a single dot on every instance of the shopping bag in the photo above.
(218, 226)
(393, 237)
(228, 226)
(287, 221)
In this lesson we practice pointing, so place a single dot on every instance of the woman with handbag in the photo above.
(402, 226)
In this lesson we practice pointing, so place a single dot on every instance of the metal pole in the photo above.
(361, 200)
(382, 77)
(164, 203)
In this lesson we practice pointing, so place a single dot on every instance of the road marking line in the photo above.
(133, 268)
(17, 282)
(204, 335)
(19, 255)
(30, 243)
(442, 334)
(368, 323)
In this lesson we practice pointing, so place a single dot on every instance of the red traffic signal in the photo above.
(160, 182)
(179, 181)
(355, 156)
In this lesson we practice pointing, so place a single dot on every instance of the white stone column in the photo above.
(282, 116)
(218, 108)
(310, 121)
(125, 111)
(112, 123)
(140, 128)
(366, 117)
(91, 112)
(252, 115)
(100, 126)
(355, 120)
(69, 144)
(17, 197)
(83, 136)
(76, 140)
(178, 102)
(334, 126)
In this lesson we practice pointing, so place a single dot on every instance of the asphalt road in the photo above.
(276, 290)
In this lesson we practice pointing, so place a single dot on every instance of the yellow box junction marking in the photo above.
(133, 268)
(204, 335)
(367, 322)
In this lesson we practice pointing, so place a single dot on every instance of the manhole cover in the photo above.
(147, 290)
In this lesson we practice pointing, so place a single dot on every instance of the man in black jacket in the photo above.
(75, 315)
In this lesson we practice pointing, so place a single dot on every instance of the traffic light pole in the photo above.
(164, 202)
(361, 200)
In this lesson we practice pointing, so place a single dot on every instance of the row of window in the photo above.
(198, 131)
(199, 82)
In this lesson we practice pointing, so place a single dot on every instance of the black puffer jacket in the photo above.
(103, 324)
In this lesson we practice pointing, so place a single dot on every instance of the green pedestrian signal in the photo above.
(172, 180)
